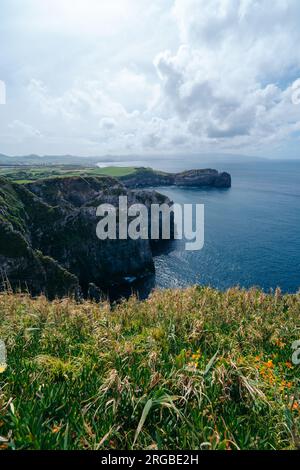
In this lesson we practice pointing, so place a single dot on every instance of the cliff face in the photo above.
(203, 178)
(145, 177)
(48, 239)
(22, 266)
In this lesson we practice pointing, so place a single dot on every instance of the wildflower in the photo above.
(228, 445)
(153, 446)
(3, 368)
(289, 365)
(56, 429)
(196, 357)
(285, 385)
(269, 364)
(282, 385)
(295, 406)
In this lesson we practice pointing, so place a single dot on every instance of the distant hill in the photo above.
(108, 160)
(47, 160)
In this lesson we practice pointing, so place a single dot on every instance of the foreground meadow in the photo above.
(191, 369)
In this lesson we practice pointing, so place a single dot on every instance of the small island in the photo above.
(145, 177)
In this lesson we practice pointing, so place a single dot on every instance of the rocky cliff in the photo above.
(146, 177)
(48, 239)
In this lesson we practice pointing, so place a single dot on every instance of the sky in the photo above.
(159, 77)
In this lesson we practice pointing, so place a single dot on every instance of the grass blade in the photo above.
(145, 413)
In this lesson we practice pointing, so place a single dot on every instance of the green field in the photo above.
(116, 171)
(190, 369)
(27, 174)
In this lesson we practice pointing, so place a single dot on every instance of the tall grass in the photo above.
(191, 369)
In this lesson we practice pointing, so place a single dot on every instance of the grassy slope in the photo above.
(185, 369)
(24, 174)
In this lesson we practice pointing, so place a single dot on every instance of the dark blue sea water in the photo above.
(252, 231)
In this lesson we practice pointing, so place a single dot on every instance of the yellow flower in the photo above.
(285, 385)
(196, 357)
(282, 385)
(56, 429)
(269, 364)
(3, 367)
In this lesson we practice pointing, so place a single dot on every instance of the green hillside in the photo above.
(26, 174)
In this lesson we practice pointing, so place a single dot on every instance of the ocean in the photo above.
(252, 231)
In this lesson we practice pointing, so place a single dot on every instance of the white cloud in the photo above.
(221, 79)
(162, 76)
(108, 123)
(21, 131)
(133, 90)
(73, 17)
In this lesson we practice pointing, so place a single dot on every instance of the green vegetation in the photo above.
(11, 208)
(27, 174)
(187, 369)
(116, 172)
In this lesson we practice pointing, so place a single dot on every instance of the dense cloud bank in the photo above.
(193, 75)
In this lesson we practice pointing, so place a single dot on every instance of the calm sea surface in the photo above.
(252, 231)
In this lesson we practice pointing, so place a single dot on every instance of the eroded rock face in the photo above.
(48, 239)
(145, 177)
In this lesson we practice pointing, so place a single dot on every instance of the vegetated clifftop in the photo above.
(145, 177)
(48, 239)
